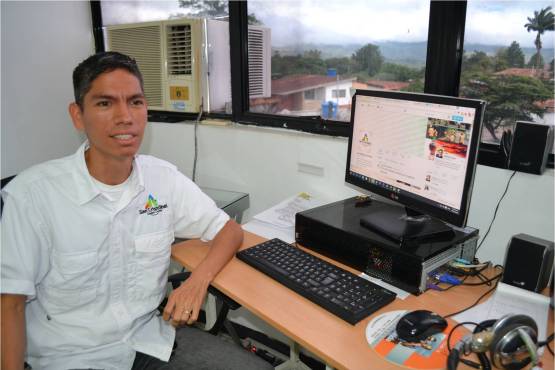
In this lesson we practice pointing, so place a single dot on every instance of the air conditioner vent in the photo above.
(256, 61)
(179, 50)
(142, 44)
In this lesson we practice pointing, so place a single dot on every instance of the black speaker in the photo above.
(528, 262)
(531, 145)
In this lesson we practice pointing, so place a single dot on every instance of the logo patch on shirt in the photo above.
(152, 208)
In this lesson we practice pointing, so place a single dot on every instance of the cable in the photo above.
(486, 282)
(455, 327)
(496, 209)
(549, 349)
(475, 303)
(196, 140)
(546, 343)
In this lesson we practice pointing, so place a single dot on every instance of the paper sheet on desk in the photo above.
(508, 299)
(269, 231)
(283, 214)
(279, 221)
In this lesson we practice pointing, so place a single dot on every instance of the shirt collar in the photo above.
(86, 190)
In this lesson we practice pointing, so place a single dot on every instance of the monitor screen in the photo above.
(419, 150)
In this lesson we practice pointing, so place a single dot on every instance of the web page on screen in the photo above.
(418, 147)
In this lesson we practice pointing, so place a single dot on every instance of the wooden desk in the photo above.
(338, 343)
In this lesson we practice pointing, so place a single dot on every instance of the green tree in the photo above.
(536, 61)
(477, 61)
(500, 60)
(515, 56)
(399, 72)
(343, 65)
(309, 63)
(369, 59)
(415, 86)
(212, 9)
(541, 22)
(511, 57)
(510, 98)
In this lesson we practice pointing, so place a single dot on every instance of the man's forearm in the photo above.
(13, 331)
(224, 246)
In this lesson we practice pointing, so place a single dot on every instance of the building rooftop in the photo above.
(523, 72)
(387, 85)
(297, 83)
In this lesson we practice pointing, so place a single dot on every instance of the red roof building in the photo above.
(524, 72)
(387, 85)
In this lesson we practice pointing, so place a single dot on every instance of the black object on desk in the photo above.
(341, 292)
(335, 231)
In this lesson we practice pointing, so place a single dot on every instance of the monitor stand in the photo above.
(405, 224)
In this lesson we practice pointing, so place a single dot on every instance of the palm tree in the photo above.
(541, 22)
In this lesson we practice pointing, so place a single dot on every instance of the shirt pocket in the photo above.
(72, 282)
(152, 260)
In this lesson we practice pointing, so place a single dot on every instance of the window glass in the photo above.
(321, 51)
(194, 70)
(508, 61)
(309, 94)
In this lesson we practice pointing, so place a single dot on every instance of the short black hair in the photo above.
(88, 70)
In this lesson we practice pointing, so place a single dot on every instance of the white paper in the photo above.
(269, 231)
(509, 299)
(283, 214)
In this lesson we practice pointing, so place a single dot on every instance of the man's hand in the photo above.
(184, 303)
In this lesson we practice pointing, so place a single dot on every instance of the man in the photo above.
(86, 240)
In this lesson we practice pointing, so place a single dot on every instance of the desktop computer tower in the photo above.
(334, 230)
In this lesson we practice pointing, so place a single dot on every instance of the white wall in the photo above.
(340, 86)
(272, 164)
(41, 44)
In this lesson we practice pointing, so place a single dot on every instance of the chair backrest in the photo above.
(5, 182)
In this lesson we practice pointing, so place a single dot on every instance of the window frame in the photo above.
(445, 47)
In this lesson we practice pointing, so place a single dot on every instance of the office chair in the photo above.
(5, 182)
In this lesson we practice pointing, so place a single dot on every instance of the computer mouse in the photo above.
(418, 325)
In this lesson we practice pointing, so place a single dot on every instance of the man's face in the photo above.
(113, 116)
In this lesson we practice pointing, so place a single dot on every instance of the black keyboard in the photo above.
(341, 292)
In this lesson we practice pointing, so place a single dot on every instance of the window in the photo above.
(338, 93)
(297, 64)
(322, 49)
(504, 63)
(196, 44)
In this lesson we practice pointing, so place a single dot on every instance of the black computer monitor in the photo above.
(418, 150)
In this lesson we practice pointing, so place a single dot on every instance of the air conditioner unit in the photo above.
(168, 54)
(259, 45)
(186, 61)
(218, 86)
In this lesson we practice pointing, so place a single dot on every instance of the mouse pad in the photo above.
(429, 354)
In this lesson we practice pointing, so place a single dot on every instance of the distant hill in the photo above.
(408, 53)
(547, 53)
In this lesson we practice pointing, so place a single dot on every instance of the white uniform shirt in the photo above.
(93, 273)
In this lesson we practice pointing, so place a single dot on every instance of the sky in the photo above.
(360, 21)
